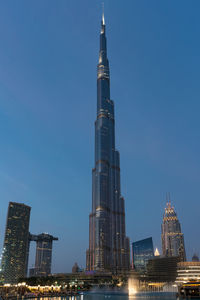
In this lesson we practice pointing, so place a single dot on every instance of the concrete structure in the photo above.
(107, 235)
(15, 249)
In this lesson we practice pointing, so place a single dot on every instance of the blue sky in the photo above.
(48, 58)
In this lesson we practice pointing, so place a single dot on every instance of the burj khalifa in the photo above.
(108, 245)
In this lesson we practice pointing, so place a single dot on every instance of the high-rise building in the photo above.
(108, 250)
(43, 257)
(172, 237)
(142, 251)
(14, 256)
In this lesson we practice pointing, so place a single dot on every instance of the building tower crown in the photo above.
(169, 211)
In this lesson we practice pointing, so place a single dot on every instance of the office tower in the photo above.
(43, 257)
(107, 235)
(14, 256)
(172, 237)
(142, 251)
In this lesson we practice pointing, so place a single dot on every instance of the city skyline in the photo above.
(47, 162)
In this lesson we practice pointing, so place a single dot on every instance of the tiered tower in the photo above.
(172, 237)
(108, 244)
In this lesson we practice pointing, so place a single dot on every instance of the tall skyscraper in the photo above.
(142, 251)
(108, 250)
(43, 257)
(172, 237)
(14, 258)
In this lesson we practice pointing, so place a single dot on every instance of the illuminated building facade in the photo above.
(142, 251)
(14, 256)
(188, 271)
(43, 257)
(172, 237)
(156, 252)
(108, 250)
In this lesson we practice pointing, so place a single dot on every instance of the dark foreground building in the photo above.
(15, 249)
(162, 269)
(43, 257)
(108, 246)
(142, 251)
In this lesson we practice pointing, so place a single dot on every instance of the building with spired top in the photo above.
(108, 244)
(172, 237)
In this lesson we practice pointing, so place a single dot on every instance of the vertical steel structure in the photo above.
(108, 244)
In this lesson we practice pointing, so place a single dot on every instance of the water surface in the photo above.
(96, 296)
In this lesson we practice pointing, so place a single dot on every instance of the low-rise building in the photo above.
(162, 269)
(188, 271)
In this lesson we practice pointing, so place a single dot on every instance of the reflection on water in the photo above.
(147, 296)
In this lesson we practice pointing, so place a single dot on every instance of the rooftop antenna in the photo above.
(169, 198)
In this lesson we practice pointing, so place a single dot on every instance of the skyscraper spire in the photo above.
(108, 244)
(168, 199)
(103, 18)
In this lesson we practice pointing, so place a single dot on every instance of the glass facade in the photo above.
(14, 256)
(107, 237)
(142, 251)
(172, 237)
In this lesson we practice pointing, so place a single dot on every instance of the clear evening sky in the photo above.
(48, 58)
